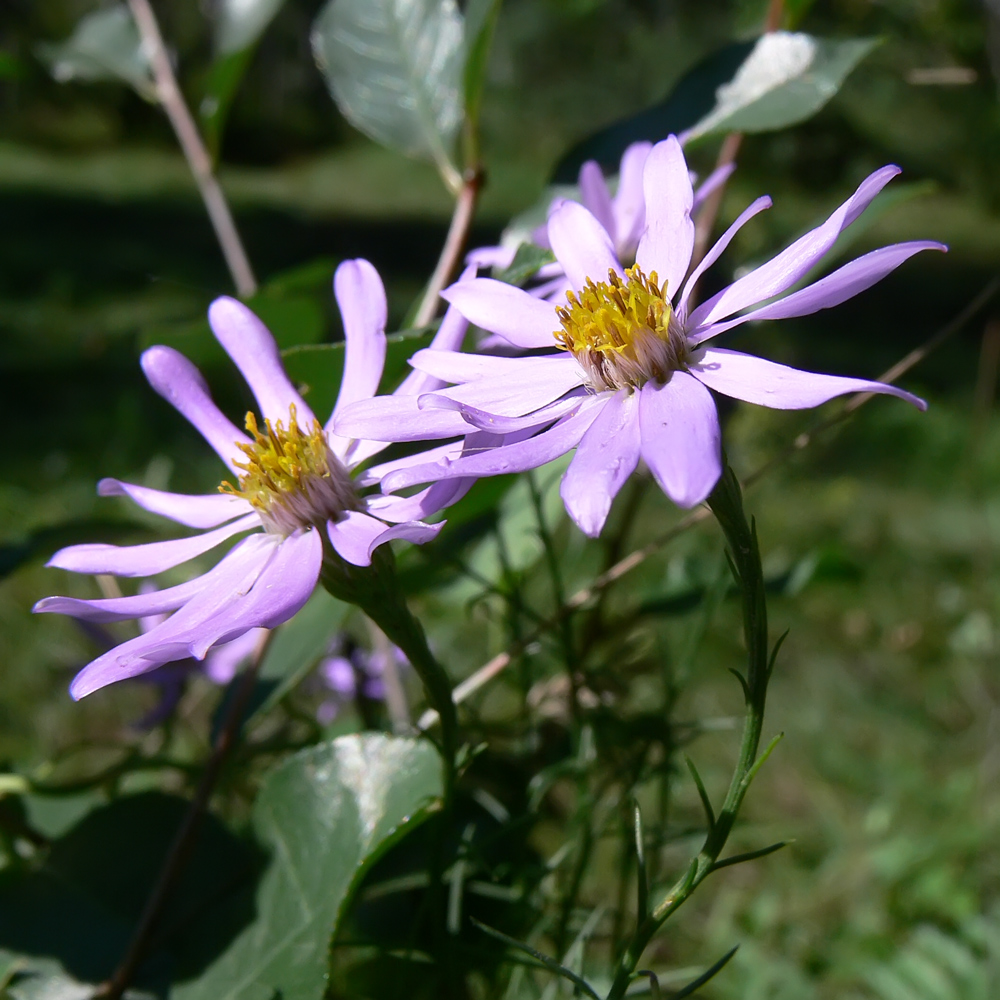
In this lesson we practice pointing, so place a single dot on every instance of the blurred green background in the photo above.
(887, 689)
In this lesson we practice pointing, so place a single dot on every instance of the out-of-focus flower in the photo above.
(622, 214)
(351, 669)
(293, 497)
(634, 379)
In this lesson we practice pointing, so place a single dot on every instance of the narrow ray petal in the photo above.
(679, 428)
(767, 383)
(361, 298)
(421, 505)
(518, 317)
(667, 243)
(457, 366)
(794, 262)
(505, 425)
(396, 418)
(596, 197)
(353, 536)
(375, 473)
(195, 511)
(711, 184)
(605, 457)
(181, 385)
(253, 350)
(117, 609)
(148, 559)
(629, 201)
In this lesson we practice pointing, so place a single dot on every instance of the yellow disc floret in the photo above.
(620, 330)
(291, 477)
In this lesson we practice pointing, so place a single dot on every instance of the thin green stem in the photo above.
(726, 504)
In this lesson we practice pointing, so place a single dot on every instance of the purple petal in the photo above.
(506, 425)
(457, 366)
(253, 350)
(679, 427)
(361, 298)
(396, 418)
(352, 535)
(194, 511)
(375, 473)
(410, 531)
(517, 457)
(540, 381)
(767, 383)
(518, 317)
(842, 284)
(116, 609)
(483, 257)
(581, 244)
(595, 196)
(630, 203)
(223, 660)
(181, 385)
(712, 183)
(667, 243)
(421, 505)
(605, 457)
(794, 262)
(720, 245)
(148, 559)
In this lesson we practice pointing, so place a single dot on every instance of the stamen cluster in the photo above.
(622, 331)
(291, 477)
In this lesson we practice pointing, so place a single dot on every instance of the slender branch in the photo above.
(172, 100)
(180, 850)
(496, 666)
(458, 233)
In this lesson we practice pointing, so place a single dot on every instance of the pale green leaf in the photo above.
(242, 22)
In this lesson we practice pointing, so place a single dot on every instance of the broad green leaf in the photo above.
(480, 22)
(394, 68)
(104, 46)
(242, 22)
(325, 815)
(786, 78)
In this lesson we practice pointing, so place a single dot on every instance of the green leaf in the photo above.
(242, 22)
(221, 85)
(104, 46)
(787, 78)
(394, 67)
(325, 814)
(317, 369)
(480, 22)
(527, 260)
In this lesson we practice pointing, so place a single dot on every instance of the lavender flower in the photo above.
(349, 668)
(622, 215)
(633, 382)
(294, 494)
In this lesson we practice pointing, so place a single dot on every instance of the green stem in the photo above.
(726, 503)
(375, 590)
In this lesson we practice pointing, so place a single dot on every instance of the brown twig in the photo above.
(180, 849)
(458, 232)
(501, 661)
(172, 100)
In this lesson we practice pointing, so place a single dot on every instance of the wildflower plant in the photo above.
(431, 809)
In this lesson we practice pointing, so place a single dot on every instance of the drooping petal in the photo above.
(421, 505)
(361, 298)
(711, 184)
(680, 438)
(253, 350)
(396, 418)
(794, 262)
(195, 511)
(842, 284)
(517, 457)
(375, 473)
(353, 535)
(409, 531)
(536, 386)
(116, 609)
(720, 245)
(150, 558)
(767, 383)
(668, 241)
(605, 457)
(223, 660)
(581, 244)
(596, 197)
(181, 385)
(164, 643)
(518, 317)
(629, 201)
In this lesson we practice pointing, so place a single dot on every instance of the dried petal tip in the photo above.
(292, 478)
(622, 332)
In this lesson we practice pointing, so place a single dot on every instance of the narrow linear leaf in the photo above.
(738, 859)
(394, 67)
(702, 794)
(708, 974)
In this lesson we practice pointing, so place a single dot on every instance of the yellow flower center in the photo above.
(290, 477)
(621, 331)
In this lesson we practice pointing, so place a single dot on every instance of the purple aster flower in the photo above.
(635, 377)
(350, 666)
(622, 215)
(293, 496)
